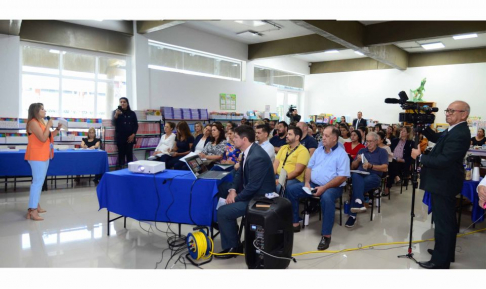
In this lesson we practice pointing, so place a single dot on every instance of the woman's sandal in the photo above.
(40, 210)
(30, 215)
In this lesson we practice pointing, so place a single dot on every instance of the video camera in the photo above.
(420, 115)
(291, 109)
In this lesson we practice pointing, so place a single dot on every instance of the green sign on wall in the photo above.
(227, 101)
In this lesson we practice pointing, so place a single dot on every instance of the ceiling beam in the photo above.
(144, 27)
(10, 27)
(402, 31)
(351, 34)
(347, 65)
(291, 46)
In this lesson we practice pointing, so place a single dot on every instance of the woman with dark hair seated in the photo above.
(345, 134)
(402, 156)
(479, 139)
(363, 131)
(215, 149)
(231, 153)
(201, 140)
(378, 127)
(182, 146)
(353, 147)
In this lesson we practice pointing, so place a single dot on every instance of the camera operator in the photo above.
(442, 175)
(293, 115)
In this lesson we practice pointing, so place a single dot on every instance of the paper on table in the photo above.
(221, 202)
(359, 172)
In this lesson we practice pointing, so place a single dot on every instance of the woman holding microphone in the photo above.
(126, 126)
(39, 152)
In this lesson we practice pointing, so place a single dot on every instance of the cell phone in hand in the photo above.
(119, 107)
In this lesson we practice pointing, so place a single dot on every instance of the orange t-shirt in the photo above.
(37, 150)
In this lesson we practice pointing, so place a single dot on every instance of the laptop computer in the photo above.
(200, 171)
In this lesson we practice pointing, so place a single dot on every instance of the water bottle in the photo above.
(306, 218)
(346, 208)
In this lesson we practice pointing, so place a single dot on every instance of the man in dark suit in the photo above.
(254, 178)
(359, 122)
(442, 175)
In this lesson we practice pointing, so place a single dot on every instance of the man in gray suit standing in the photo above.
(254, 178)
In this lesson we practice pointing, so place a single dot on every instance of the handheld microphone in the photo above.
(119, 107)
(392, 100)
(48, 118)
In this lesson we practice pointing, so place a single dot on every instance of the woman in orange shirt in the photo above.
(39, 152)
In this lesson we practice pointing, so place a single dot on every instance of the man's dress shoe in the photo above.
(430, 265)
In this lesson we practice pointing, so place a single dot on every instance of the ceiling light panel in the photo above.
(252, 23)
(464, 36)
(434, 45)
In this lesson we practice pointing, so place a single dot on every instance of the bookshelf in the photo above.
(147, 139)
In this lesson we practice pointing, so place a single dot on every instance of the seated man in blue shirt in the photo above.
(327, 172)
(376, 163)
(280, 139)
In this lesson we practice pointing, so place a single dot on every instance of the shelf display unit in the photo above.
(147, 139)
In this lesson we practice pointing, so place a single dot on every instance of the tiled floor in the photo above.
(73, 235)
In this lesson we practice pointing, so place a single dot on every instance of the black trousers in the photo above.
(445, 233)
(125, 150)
(170, 161)
(395, 169)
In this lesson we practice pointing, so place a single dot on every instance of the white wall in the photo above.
(9, 75)
(346, 93)
(189, 91)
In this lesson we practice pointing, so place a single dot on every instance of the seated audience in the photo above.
(182, 146)
(327, 172)
(377, 163)
(382, 144)
(353, 147)
(167, 140)
(243, 120)
(201, 140)
(307, 140)
(402, 157)
(318, 136)
(257, 123)
(255, 178)
(261, 136)
(479, 139)
(231, 153)
(91, 142)
(280, 138)
(363, 131)
(378, 127)
(215, 149)
(198, 129)
(345, 134)
(273, 130)
(293, 158)
(389, 133)
(313, 126)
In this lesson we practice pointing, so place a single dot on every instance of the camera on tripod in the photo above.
(420, 115)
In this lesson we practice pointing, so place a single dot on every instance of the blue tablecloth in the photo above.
(468, 191)
(65, 162)
(138, 195)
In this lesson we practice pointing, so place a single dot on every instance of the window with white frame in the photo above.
(71, 83)
(278, 78)
(178, 59)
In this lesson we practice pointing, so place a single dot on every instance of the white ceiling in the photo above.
(229, 29)
(449, 42)
(318, 57)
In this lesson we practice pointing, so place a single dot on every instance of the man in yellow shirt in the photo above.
(293, 157)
